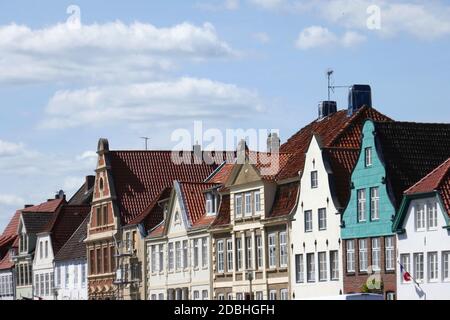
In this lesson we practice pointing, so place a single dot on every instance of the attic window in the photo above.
(210, 203)
(368, 155)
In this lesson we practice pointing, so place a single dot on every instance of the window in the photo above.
(153, 297)
(36, 283)
(418, 266)
(67, 277)
(178, 255)
(75, 275)
(248, 247)
(259, 252)
(299, 269)
(363, 263)
(210, 203)
(390, 253)
(170, 256)
(239, 296)
(185, 254)
(308, 221)
(257, 198)
(390, 296)
(238, 205)
(41, 249)
(314, 180)
(230, 296)
(272, 251)
(361, 205)
(374, 203)
(273, 295)
(350, 255)
(204, 253)
(161, 258)
(154, 262)
(322, 266)
(42, 286)
(99, 216)
(128, 242)
(238, 254)
(92, 261)
(196, 248)
(196, 295)
(404, 260)
(248, 204)
(46, 249)
(229, 255)
(99, 261)
(283, 249)
(220, 262)
(259, 296)
(432, 266)
(376, 253)
(322, 219)
(310, 267)
(83, 275)
(112, 258)
(105, 215)
(58, 276)
(432, 216)
(284, 294)
(205, 295)
(420, 218)
(221, 296)
(368, 157)
(105, 260)
(445, 266)
(334, 265)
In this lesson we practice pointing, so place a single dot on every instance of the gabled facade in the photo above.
(48, 243)
(250, 243)
(316, 264)
(178, 250)
(391, 156)
(423, 238)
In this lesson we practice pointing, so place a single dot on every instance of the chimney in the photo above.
(60, 195)
(359, 95)
(28, 206)
(90, 180)
(327, 108)
(198, 154)
(273, 143)
(241, 151)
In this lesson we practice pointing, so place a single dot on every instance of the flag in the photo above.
(405, 274)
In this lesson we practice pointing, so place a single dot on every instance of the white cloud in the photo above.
(9, 148)
(268, 4)
(72, 183)
(103, 52)
(11, 200)
(317, 36)
(232, 4)
(262, 37)
(185, 98)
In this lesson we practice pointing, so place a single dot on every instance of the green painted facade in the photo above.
(365, 178)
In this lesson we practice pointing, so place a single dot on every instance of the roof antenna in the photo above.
(146, 142)
(330, 87)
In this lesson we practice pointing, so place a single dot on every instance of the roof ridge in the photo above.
(445, 163)
(73, 235)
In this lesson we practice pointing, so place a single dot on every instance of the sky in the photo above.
(75, 71)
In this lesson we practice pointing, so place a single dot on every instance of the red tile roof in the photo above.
(140, 176)
(49, 206)
(64, 223)
(222, 174)
(437, 180)
(336, 130)
(269, 164)
(223, 216)
(158, 231)
(342, 162)
(194, 201)
(285, 200)
(10, 233)
(411, 151)
(6, 262)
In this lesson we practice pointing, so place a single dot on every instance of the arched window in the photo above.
(100, 184)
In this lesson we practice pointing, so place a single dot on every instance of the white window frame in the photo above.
(299, 269)
(259, 252)
(375, 203)
(446, 266)
(418, 258)
(205, 295)
(220, 256)
(210, 203)
(238, 254)
(361, 194)
(420, 219)
(405, 260)
(323, 271)
(230, 255)
(334, 265)
(257, 201)
(204, 252)
(390, 253)
(432, 219)
(196, 252)
(433, 266)
(220, 296)
(314, 179)
(363, 255)
(376, 253)
(284, 294)
(283, 249)
(248, 204)
(153, 255)
(185, 254)
(368, 157)
(310, 267)
(171, 256)
(273, 295)
(238, 205)
(350, 254)
(178, 255)
(161, 258)
(272, 250)
(249, 251)
(308, 221)
(322, 214)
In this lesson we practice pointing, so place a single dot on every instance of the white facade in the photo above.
(70, 280)
(426, 244)
(178, 262)
(315, 264)
(43, 285)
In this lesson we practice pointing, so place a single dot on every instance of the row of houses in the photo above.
(353, 202)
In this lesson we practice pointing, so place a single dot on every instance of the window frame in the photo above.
(238, 205)
(322, 266)
(374, 204)
(322, 215)
(271, 239)
(361, 205)
(310, 268)
(368, 157)
(376, 253)
(299, 268)
(363, 255)
(389, 253)
(350, 252)
(220, 256)
(308, 222)
(314, 179)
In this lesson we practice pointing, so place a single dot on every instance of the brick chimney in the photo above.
(273, 143)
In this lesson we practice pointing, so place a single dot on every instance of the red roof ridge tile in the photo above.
(436, 176)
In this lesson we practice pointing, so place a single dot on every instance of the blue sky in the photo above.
(145, 68)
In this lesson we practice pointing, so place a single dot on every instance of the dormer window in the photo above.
(368, 157)
(314, 180)
(211, 207)
(23, 243)
(238, 205)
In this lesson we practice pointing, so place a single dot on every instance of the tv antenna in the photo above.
(331, 85)
(146, 142)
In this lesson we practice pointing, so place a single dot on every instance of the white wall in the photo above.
(413, 241)
(70, 282)
(6, 285)
(314, 199)
(43, 268)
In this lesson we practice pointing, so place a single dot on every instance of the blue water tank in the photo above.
(359, 95)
